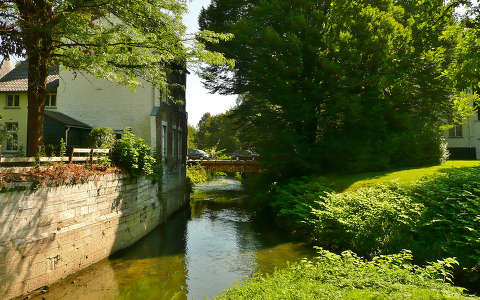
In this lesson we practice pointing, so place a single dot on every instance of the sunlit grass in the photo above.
(351, 182)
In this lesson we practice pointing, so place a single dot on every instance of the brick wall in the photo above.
(51, 233)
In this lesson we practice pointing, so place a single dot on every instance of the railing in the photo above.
(90, 155)
(247, 166)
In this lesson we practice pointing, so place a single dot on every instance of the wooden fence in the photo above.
(90, 155)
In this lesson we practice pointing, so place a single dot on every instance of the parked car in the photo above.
(197, 154)
(244, 155)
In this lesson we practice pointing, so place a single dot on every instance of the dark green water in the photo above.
(197, 253)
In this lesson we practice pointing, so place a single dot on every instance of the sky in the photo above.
(199, 100)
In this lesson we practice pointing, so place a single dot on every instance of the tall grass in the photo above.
(347, 276)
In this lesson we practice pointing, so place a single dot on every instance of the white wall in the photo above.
(471, 135)
(99, 102)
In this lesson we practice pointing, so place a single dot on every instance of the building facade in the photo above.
(78, 102)
(464, 140)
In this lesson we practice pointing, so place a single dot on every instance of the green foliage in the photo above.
(337, 85)
(368, 221)
(195, 175)
(50, 150)
(62, 149)
(191, 137)
(104, 161)
(295, 199)
(449, 222)
(117, 40)
(435, 217)
(133, 154)
(121, 41)
(157, 167)
(3, 132)
(219, 132)
(346, 276)
(216, 153)
(101, 138)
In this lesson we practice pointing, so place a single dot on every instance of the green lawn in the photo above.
(351, 182)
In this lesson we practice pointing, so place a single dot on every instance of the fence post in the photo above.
(91, 156)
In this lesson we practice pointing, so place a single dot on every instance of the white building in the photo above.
(464, 140)
(78, 102)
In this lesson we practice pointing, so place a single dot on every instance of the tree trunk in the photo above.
(36, 25)
(37, 95)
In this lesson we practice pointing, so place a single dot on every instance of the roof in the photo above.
(17, 79)
(65, 120)
(6, 67)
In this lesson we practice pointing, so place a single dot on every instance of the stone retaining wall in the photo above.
(53, 232)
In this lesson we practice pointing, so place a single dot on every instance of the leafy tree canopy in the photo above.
(221, 132)
(343, 85)
(118, 40)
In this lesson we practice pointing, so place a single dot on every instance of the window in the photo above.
(164, 94)
(456, 131)
(179, 145)
(164, 141)
(51, 100)
(174, 131)
(13, 100)
(12, 136)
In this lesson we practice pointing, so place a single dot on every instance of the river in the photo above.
(203, 249)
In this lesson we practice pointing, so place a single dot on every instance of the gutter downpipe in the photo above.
(66, 135)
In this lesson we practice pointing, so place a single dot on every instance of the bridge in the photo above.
(230, 166)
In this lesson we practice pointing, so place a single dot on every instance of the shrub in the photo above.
(50, 150)
(435, 217)
(157, 167)
(132, 154)
(62, 148)
(449, 224)
(196, 174)
(347, 276)
(371, 220)
(294, 200)
(101, 137)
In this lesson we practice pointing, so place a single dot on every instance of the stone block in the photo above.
(56, 231)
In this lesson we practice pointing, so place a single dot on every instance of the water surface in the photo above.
(197, 253)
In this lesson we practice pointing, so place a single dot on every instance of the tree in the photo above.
(117, 39)
(343, 85)
(192, 132)
(218, 132)
(101, 137)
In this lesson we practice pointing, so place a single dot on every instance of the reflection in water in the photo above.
(199, 252)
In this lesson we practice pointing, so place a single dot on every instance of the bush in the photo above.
(347, 276)
(435, 217)
(196, 174)
(133, 154)
(294, 200)
(101, 137)
(371, 220)
(449, 224)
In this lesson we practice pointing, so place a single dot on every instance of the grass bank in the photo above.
(434, 212)
(347, 276)
(352, 182)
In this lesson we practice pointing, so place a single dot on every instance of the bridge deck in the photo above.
(246, 166)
